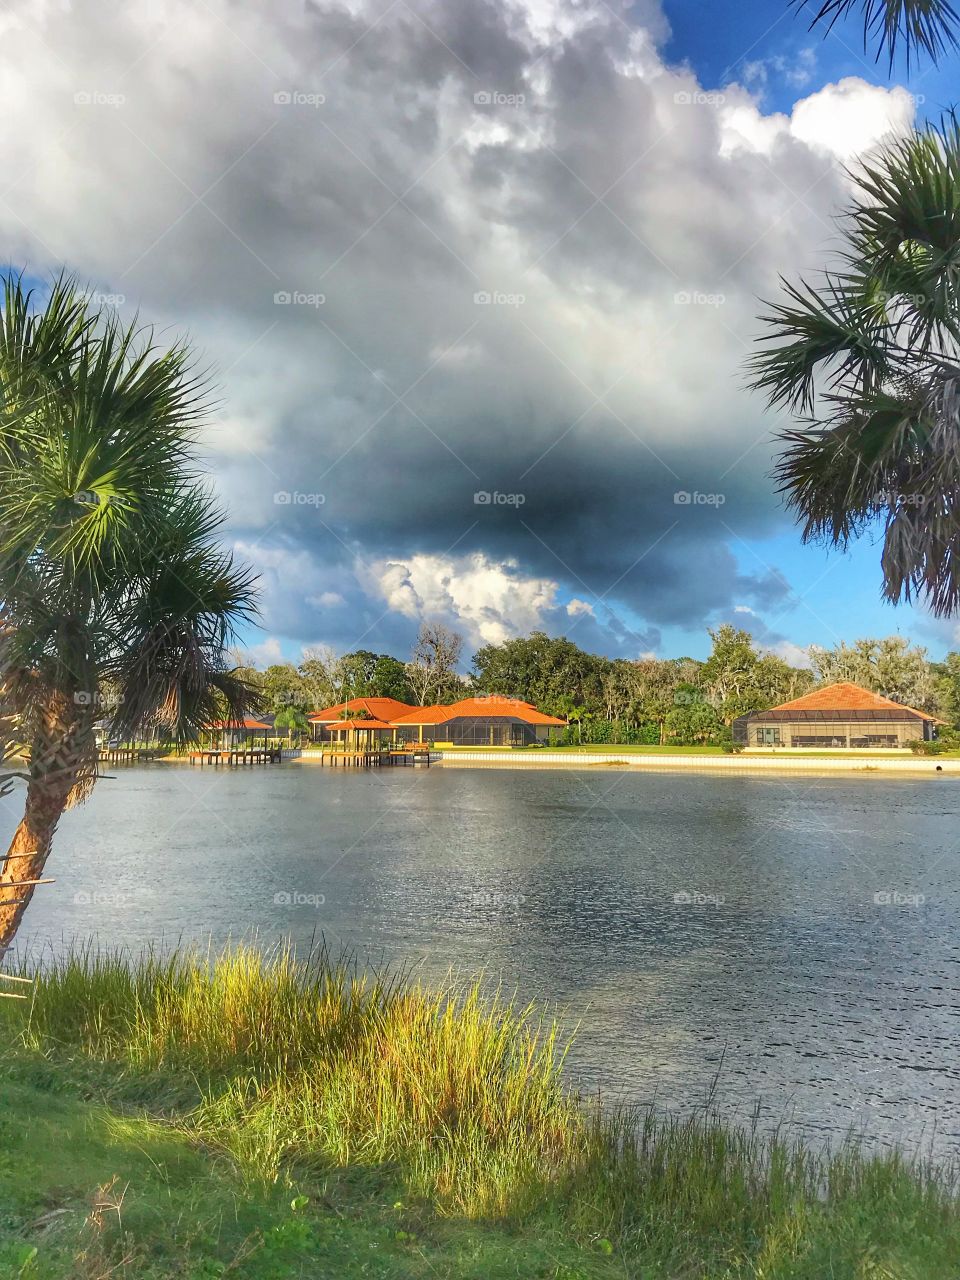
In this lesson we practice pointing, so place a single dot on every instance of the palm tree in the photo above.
(116, 603)
(870, 358)
(928, 26)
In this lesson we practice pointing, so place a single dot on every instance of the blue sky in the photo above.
(721, 41)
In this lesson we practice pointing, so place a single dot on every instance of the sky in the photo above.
(476, 280)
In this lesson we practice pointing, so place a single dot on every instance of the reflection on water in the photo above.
(691, 923)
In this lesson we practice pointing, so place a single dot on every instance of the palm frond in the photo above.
(921, 26)
(837, 325)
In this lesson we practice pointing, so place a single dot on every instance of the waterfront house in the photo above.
(325, 723)
(489, 721)
(241, 733)
(840, 716)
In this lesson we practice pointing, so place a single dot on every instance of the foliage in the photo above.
(891, 667)
(271, 1118)
(291, 718)
(118, 601)
(738, 680)
(551, 672)
(921, 26)
(693, 724)
(870, 357)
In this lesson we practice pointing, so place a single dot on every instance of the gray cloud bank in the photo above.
(441, 253)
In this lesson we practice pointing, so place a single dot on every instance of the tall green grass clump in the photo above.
(306, 1059)
(284, 1069)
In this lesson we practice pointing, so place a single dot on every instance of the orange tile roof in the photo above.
(379, 708)
(483, 707)
(845, 696)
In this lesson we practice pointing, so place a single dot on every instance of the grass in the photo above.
(254, 1117)
(637, 748)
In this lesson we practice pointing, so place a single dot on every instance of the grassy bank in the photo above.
(271, 1119)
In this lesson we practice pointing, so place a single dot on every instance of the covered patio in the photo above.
(359, 735)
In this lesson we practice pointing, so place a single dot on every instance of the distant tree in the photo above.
(729, 674)
(389, 679)
(946, 678)
(776, 681)
(737, 679)
(292, 719)
(891, 667)
(551, 672)
(694, 724)
(365, 674)
(283, 686)
(656, 684)
(432, 671)
(316, 672)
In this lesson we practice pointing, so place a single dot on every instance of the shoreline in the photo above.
(910, 766)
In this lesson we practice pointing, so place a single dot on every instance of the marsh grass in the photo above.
(280, 1067)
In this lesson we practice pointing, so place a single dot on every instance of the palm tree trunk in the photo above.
(63, 752)
(27, 855)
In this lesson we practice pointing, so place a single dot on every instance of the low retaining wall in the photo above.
(794, 763)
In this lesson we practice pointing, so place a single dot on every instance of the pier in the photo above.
(130, 755)
(236, 757)
(375, 757)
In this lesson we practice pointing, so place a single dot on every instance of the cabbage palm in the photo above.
(870, 358)
(927, 26)
(116, 603)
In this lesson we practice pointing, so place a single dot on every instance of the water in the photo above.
(701, 928)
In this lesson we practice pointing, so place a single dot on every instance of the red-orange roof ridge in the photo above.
(486, 705)
(844, 695)
(379, 707)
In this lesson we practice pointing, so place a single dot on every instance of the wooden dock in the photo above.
(236, 757)
(130, 755)
(352, 758)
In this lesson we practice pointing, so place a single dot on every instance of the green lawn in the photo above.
(633, 748)
(266, 1120)
(90, 1191)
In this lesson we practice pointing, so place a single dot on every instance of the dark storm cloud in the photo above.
(438, 250)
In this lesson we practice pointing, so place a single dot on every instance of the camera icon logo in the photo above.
(283, 98)
(682, 498)
(482, 498)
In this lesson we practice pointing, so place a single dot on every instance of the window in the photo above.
(769, 736)
(876, 740)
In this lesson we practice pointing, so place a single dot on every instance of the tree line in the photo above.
(611, 700)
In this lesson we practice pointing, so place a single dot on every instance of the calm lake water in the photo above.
(697, 926)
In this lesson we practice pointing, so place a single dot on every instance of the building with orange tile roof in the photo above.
(487, 721)
(325, 722)
(841, 715)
